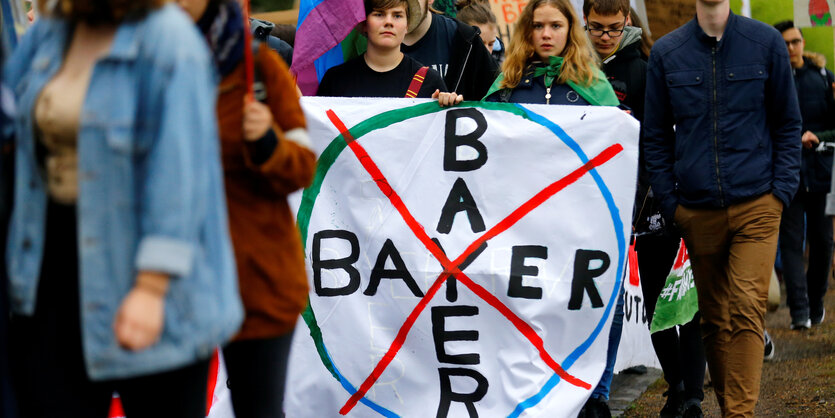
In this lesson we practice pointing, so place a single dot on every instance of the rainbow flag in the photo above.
(325, 37)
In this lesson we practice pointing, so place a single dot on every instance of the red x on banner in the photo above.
(452, 268)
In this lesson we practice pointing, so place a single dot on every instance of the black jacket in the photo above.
(734, 108)
(471, 67)
(627, 72)
(817, 109)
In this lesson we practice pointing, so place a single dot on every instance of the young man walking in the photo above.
(721, 142)
(452, 48)
(805, 289)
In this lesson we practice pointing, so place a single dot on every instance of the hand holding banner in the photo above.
(479, 247)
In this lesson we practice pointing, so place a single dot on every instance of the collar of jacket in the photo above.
(631, 37)
(810, 64)
(599, 93)
(711, 40)
(126, 43)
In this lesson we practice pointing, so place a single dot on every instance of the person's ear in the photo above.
(629, 20)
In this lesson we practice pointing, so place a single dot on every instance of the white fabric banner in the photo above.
(461, 260)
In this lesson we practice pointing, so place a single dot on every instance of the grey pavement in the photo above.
(627, 387)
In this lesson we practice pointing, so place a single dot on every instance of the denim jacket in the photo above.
(735, 112)
(150, 190)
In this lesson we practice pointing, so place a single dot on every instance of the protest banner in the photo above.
(462, 261)
(635, 347)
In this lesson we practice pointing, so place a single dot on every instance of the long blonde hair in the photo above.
(579, 60)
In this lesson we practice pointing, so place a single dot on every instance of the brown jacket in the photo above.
(267, 244)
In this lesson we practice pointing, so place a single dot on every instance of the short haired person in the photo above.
(383, 70)
(680, 351)
(449, 46)
(120, 265)
(720, 141)
(805, 289)
(618, 43)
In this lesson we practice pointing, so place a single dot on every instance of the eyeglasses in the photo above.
(794, 43)
(613, 33)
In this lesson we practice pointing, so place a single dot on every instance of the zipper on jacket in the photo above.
(716, 132)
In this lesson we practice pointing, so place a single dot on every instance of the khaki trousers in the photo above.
(732, 253)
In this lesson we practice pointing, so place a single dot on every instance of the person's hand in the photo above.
(139, 320)
(257, 119)
(447, 99)
(809, 140)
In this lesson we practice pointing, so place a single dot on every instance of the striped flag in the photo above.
(321, 40)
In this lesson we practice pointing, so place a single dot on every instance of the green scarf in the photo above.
(599, 93)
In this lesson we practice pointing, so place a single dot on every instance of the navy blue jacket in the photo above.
(734, 107)
(817, 108)
(532, 90)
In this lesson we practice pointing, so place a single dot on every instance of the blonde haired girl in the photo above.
(550, 61)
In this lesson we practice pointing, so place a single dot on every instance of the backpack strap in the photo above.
(417, 82)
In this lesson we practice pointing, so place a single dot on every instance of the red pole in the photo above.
(248, 60)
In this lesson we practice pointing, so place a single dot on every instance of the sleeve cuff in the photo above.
(785, 198)
(165, 255)
(668, 210)
(261, 150)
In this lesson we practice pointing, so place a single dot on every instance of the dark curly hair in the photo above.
(96, 12)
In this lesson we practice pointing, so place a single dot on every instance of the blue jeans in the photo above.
(602, 389)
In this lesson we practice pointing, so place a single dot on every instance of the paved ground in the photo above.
(799, 382)
(626, 387)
